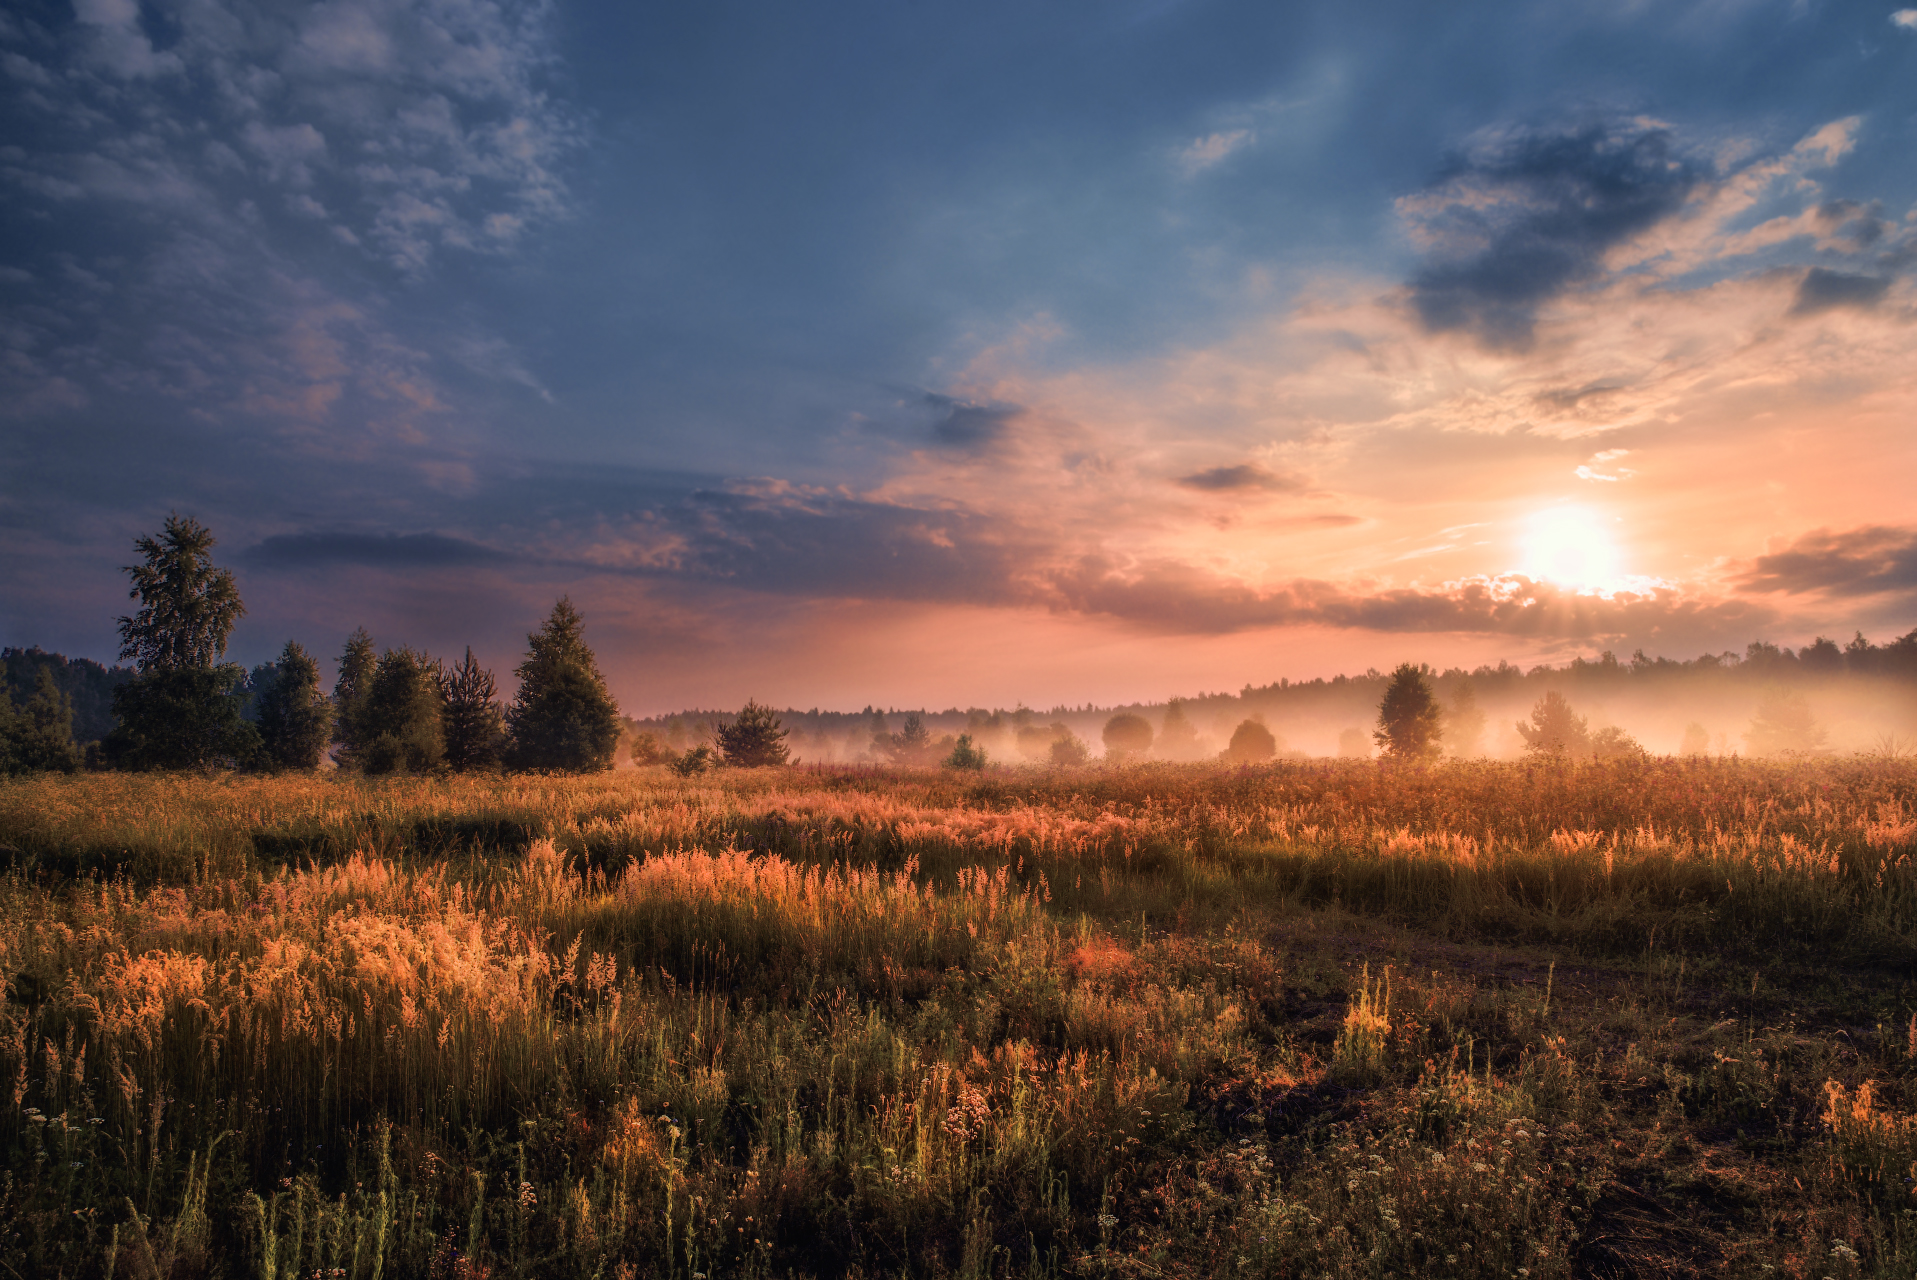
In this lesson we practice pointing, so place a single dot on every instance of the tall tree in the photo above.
(295, 719)
(562, 717)
(1410, 725)
(755, 738)
(187, 607)
(356, 664)
(38, 738)
(400, 717)
(184, 708)
(475, 727)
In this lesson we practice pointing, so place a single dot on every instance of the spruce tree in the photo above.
(295, 719)
(356, 663)
(562, 718)
(754, 739)
(38, 738)
(184, 709)
(475, 727)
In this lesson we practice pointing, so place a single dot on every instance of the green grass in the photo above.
(1498, 1020)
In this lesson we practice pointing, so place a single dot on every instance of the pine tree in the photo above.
(562, 717)
(756, 738)
(965, 755)
(474, 725)
(184, 710)
(295, 719)
(38, 738)
(400, 716)
(1410, 726)
(356, 663)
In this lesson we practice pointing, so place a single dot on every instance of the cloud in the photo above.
(375, 550)
(1870, 560)
(1524, 215)
(1823, 289)
(1243, 475)
(1202, 153)
(1602, 458)
(963, 424)
(1905, 18)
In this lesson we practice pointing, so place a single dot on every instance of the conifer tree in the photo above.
(295, 719)
(356, 663)
(562, 718)
(184, 708)
(400, 716)
(1555, 729)
(754, 739)
(475, 727)
(38, 737)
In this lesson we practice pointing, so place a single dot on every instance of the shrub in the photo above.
(1068, 751)
(648, 749)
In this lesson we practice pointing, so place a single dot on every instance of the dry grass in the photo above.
(1651, 1019)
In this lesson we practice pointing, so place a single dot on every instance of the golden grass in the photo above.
(890, 1023)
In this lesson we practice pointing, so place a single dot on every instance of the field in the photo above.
(1650, 1018)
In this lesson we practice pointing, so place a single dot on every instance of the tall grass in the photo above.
(853, 1022)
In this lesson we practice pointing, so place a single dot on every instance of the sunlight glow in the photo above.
(1572, 547)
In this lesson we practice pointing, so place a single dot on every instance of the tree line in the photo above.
(183, 706)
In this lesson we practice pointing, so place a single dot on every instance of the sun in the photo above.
(1572, 547)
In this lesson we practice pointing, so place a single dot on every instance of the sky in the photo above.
(971, 354)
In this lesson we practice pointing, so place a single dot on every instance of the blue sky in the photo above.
(868, 353)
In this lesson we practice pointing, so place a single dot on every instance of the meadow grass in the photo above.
(1647, 1018)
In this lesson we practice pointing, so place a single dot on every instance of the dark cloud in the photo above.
(1826, 290)
(1866, 561)
(373, 550)
(1528, 215)
(963, 424)
(1243, 475)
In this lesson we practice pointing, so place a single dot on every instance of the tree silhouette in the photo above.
(1410, 725)
(1251, 743)
(1127, 735)
(1067, 751)
(910, 745)
(562, 717)
(295, 719)
(1177, 737)
(1696, 741)
(471, 719)
(1554, 729)
(184, 710)
(753, 740)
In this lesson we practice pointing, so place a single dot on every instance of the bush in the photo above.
(1068, 751)
(1251, 743)
(647, 749)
